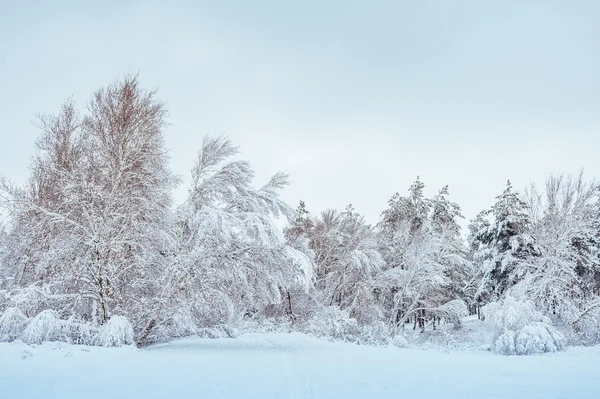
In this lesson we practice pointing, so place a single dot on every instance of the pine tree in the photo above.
(505, 245)
(452, 253)
(298, 233)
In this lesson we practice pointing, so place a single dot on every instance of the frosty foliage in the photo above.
(503, 245)
(399, 341)
(347, 260)
(94, 234)
(92, 226)
(332, 323)
(220, 331)
(427, 272)
(587, 327)
(77, 331)
(521, 329)
(12, 324)
(376, 333)
(544, 247)
(115, 332)
(231, 259)
(564, 277)
(46, 326)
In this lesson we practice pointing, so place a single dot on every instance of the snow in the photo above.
(290, 366)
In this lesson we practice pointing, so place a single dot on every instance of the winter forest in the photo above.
(94, 250)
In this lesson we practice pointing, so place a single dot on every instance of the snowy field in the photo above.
(290, 366)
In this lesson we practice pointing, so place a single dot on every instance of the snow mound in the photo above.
(12, 324)
(116, 332)
(46, 326)
(521, 329)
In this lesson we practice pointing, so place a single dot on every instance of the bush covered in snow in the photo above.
(116, 332)
(31, 300)
(521, 329)
(376, 333)
(333, 323)
(219, 331)
(46, 326)
(585, 329)
(78, 332)
(399, 341)
(12, 324)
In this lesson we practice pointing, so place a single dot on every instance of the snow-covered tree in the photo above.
(301, 228)
(478, 240)
(90, 228)
(562, 278)
(426, 263)
(230, 258)
(347, 260)
(453, 252)
(502, 244)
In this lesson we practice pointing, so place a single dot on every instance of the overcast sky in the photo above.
(352, 99)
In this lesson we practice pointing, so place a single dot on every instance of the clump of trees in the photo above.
(97, 253)
(543, 248)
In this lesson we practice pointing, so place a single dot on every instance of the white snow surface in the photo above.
(280, 365)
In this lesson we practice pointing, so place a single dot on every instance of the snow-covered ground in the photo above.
(290, 366)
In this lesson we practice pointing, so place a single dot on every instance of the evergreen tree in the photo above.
(505, 244)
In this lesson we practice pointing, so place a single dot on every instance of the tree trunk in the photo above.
(290, 310)
(146, 333)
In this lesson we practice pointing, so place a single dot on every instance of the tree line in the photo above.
(93, 239)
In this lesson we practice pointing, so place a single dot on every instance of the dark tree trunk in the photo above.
(290, 310)
(146, 333)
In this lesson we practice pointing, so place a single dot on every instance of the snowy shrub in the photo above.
(183, 325)
(521, 329)
(374, 334)
(399, 341)
(46, 326)
(586, 328)
(333, 323)
(12, 324)
(453, 311)
(220, 331)
(78, 332)
(116, 332)
(29, 299)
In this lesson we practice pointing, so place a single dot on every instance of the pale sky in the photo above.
(352, 99)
